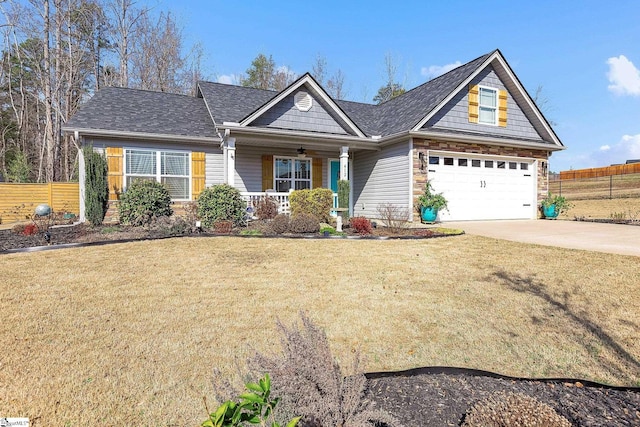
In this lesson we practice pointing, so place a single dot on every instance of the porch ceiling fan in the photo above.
(301, 151)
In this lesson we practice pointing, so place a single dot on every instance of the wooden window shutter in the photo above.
(267, 172)
(502, 108)
(316, 173)
(198, 163)
(115, 171)
(473, 103)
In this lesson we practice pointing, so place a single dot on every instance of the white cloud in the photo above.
(433, 71)
(626, 149)
(624, 76)
(227, 79)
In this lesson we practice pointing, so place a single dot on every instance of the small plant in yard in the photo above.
(395, 217)
(432, 200)
(361, 225)
(18, 228)
(250, 232)
(255, 407)
(221, 202)
(266, 208)
(312, 384)
(279, 225)
(144, 201)
(30, 230)
(304, 223)
(317, 202)
(559, 202)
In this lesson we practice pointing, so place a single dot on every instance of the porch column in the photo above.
(231, 161)
(344, 163)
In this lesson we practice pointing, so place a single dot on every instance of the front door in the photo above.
(334, 173)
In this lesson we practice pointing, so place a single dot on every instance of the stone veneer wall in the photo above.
(423, 145)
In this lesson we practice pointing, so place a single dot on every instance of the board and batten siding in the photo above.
(455, 114)
(381, 177)
(285, 115)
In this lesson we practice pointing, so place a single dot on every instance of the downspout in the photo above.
(81, 176)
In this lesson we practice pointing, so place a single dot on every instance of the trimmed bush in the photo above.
(96, 191)
(304, 223)
(317, 202)
(221, 203)
(279, 224)
(143, 202)
(361, 225)
(266, 208)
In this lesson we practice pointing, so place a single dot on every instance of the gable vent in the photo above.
(303, 101)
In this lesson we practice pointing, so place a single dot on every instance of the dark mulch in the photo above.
(442, 399)
(609, 221)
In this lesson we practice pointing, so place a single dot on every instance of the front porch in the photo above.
(282, 199)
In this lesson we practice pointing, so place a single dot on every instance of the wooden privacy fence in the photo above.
(600, 172)
(606, 187)
(18, 201)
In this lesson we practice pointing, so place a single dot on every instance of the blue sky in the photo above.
(585, 54)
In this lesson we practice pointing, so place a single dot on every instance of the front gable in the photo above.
(303, 106)
(461, 112)
(301, 110)
(517, 116)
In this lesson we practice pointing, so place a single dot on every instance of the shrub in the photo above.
(361, 225)
(395, 217)
(513, 409)
(255, 407)
(279, 224)
(144, 201)
(30, 229)
(18, 228)
(304, 223)
(222, 226)
(266, 208)
(343, 193)
(96, 192)
(312, 384)
(221, 202)
(171, 226)
(317, 202)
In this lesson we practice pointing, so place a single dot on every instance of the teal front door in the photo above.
(335, 175)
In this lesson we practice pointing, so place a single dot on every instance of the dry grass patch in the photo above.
(129, 334)
(603, 208)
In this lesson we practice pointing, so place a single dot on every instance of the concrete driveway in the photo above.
(590, 236)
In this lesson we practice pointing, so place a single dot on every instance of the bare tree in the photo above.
(125, 17)
(392, 88)
(335, 85)
(319, 69)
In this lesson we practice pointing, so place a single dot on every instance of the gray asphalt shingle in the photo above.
(141, 111)
(130, 110)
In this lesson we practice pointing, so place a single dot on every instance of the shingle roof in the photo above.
(230, 103)
(141, 111)
(129, 110)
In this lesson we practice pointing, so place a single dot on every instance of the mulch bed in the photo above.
(441, 397)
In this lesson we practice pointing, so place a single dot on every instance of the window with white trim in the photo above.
(291, 173)
(170, 168)
(488, 106)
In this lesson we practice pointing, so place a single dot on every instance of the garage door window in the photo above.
(501, 165)
(513, 165)
(524, 166)
(434, 160)
(462, 162)
(448, 161)
(475, 163)
(488, 164)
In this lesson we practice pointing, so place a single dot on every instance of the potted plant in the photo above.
(552, 206)
(430, 203)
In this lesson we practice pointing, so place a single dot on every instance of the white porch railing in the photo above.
(252, 199)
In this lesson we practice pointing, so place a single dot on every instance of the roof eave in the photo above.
(504, 142)
(141, 135)
(297, 137)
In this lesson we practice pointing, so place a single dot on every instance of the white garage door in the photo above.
(480, 188)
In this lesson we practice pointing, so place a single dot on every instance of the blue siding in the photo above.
(285, 115)
(455, 114)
